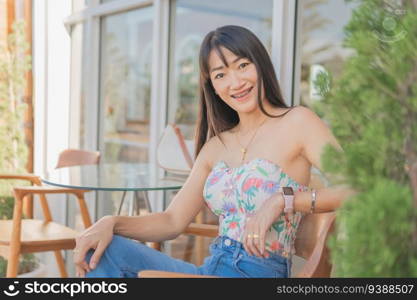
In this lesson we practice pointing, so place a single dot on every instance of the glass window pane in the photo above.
(126, 56)
(79, 4)
(204, 16)
(321, 42)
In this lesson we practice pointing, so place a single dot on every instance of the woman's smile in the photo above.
(243, 95)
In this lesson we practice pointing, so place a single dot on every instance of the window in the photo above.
(321, 46)
(125, 81)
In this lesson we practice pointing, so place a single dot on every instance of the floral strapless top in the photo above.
(234, 194)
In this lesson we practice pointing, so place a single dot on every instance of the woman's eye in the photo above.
(218, 76)
(243, 65)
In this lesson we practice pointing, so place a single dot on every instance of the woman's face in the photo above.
(235, 84)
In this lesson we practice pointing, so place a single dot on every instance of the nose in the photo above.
(236, 82)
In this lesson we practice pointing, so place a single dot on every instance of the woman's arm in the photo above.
(327, 199)
(314, 136)
(185, 205)
(154, 227)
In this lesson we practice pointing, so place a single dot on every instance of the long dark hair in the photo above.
(215, 116)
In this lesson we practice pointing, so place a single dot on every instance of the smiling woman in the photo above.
(259, 199)
(237, 76)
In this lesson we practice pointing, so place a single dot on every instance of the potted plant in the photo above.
(14, 64)
(372, 109)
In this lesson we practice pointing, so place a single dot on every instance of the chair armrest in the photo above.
(30, 177)
(164, 274)
(22, 191)
(207, 230)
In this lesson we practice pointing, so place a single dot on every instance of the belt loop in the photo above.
(289, 266)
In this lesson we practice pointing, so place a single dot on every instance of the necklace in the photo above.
(244, 150)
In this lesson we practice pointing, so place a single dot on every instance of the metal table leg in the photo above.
(137, 203)
(121, 203)
(147, 203)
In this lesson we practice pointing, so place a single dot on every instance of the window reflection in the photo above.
(321, 42)
(126, 56)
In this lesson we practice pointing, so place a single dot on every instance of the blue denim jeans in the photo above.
(125, 258)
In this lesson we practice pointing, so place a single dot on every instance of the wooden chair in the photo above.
(67, 158)
(19, 235)
(310, 244)
(30, 235)
(76, 157)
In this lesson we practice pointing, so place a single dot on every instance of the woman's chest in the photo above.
(243, 189)
(273, 145)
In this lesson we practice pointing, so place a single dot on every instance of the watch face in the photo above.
(287, 190)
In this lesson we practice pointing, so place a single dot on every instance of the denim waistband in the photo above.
(234, 247)
(226, 243)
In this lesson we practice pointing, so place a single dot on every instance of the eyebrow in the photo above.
(221, 67)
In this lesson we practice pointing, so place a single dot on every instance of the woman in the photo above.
(249, 147)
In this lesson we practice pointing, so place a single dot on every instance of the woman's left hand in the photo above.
(258, 224)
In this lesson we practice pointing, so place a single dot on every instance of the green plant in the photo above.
(14, 64)
(372, 109)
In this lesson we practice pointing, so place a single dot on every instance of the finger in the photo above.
(248, 235)
(79, 254)
(79, 272)
(98, 252)
(264, 253)
(246, 243)
(246, 239)
(249, 243)
(252, 246)
(256, 245)
(85, 266)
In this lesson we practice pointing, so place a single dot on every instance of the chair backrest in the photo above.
(174, 152)
(76, 157)
(310, 243)
(312, 234)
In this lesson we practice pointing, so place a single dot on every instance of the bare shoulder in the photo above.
(311, 129)
(209, 150)
(303, 116)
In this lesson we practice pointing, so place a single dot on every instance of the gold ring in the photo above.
(255, 236)
(249, 236)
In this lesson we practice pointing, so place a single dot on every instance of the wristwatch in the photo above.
(288, 194)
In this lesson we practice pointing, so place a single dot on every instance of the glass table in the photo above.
(140, 177)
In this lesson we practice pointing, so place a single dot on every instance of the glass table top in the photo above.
(114, 177)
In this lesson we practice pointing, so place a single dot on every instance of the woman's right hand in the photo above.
(96, 237)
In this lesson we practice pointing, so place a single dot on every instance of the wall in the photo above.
(51, 63)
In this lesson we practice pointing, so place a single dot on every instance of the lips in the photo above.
(242, 94)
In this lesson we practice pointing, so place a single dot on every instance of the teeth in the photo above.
(243, 94)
